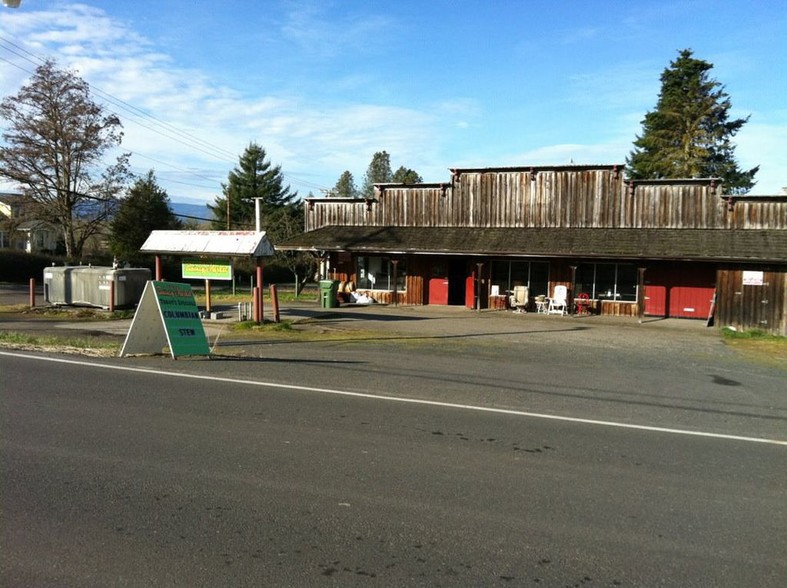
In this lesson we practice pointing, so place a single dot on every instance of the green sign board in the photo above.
(167, 315)
(201, 269)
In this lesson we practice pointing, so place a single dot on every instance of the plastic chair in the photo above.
(558, 304)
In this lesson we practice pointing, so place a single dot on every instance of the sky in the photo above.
(322, 85)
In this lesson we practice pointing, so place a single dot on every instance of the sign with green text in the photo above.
(202, 269)
(167, 315)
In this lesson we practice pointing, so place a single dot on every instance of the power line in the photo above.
(134, 114)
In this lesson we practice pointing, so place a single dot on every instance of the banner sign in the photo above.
(200, 269)
(167, 315)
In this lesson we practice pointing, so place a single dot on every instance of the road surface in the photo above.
(418, 471)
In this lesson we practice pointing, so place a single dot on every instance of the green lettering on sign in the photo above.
(185, 334)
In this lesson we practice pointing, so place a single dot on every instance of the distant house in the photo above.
(662, 248)
(19, 229)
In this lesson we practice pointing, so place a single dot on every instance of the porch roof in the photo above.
(209, 243)
(764, 246)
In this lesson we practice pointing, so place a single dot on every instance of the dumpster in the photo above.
(329, 290)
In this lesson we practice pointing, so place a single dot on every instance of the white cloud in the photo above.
(192, 128)
(159, 102)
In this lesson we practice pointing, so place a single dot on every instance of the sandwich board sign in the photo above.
(167, 315)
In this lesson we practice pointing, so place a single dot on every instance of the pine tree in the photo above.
(254, 177)
(405, 175)
(145, 209)
(379, 172)
(345, 187)
(689, 134)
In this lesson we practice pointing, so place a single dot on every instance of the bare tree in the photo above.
(54, 148)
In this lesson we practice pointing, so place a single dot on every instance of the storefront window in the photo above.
(377, 273)
(607, 281)
(507, 274)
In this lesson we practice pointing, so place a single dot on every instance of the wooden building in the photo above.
(664, 248)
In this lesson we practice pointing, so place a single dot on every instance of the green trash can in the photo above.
(329, 290)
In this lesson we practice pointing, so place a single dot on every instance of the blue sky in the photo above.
(322, 85)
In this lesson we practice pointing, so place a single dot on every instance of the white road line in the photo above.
(506, 411)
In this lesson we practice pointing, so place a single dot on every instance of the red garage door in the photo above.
(681, 290)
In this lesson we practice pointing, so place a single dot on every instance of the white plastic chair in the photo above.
(558, 303)
(519, 299)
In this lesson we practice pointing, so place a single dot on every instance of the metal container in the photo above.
(91, 286)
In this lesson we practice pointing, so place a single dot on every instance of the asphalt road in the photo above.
(539, 453)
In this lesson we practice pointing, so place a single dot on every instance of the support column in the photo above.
(207, 296)
(641, 293)
(32, 293)
(260, 310)
(478, 282)
(395, 263)
(158, 268)
(571, 290)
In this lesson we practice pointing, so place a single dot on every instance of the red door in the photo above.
(680, 290)
(438, 284)
(655, 299)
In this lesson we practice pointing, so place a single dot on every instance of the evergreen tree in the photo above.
(345, 187)
(689, 134)
(379, 172)
(254, 177)
(405, 175)
(145, 209)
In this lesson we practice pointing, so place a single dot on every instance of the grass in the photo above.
(60, 343)
(758, 345)
(66, 313)
(227, 297)
(265, 327)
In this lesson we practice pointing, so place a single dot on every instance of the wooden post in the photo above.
(207, 296)
(479, 283)
(395, 263)
(158, 268)
(255, 305)
(570, 300)
(112, 295)
(32, 292)
(641, 293)
(275, 303)
(260, 309)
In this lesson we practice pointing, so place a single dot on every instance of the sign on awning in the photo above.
(203, 269)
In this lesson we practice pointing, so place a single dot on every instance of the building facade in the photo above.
(19, 231)
(661, 248)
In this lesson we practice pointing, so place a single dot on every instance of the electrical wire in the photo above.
(136, 115)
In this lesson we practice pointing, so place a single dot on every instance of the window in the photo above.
(507, 274)
(607, 281)
(377, 273)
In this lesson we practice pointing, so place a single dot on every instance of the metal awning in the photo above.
(209, 243)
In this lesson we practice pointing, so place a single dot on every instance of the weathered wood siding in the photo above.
(559, 198)
(752, 307)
